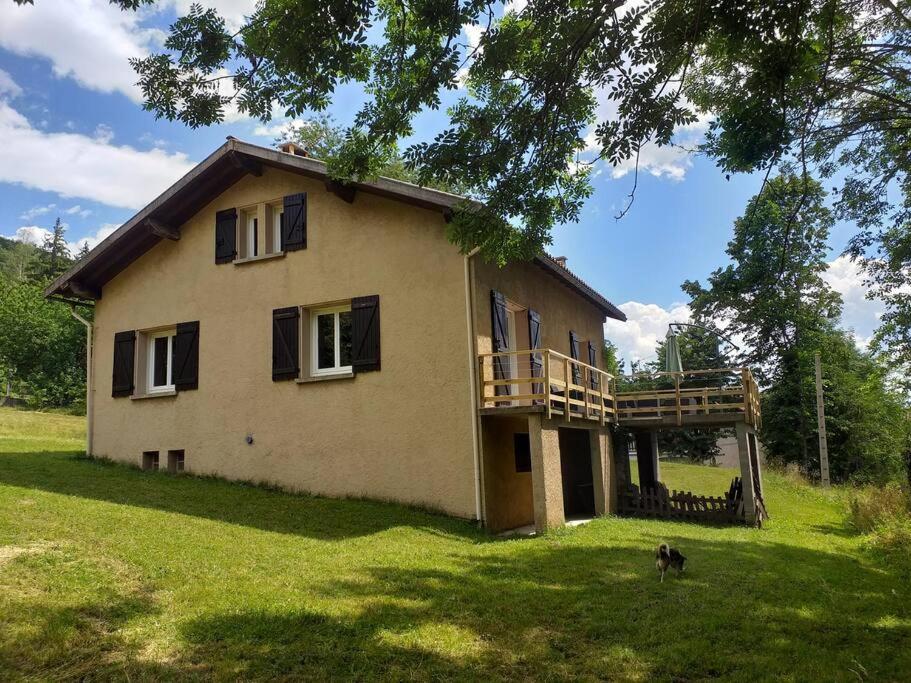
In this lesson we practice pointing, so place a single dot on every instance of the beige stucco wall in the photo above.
(508, 494)
(402, 433)
(529, 286)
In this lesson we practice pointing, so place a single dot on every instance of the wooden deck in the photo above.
(546, 381)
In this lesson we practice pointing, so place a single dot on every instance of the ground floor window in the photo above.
(160, 361)
(330, 340)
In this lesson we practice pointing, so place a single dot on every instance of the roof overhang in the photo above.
(163, 217)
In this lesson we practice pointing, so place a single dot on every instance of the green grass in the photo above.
(111, 573)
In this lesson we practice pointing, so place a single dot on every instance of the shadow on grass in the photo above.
(259, 507)
(741, 612)
(750, 612)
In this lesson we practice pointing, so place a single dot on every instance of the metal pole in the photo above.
(821, 426)
(89, 388)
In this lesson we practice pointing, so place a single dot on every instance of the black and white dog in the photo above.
(669, 557)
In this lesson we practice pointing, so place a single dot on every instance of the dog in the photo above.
(666, 557)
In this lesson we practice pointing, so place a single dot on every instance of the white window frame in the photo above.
(150, 361)
(277, 210)
(315, 370)
(251, 229)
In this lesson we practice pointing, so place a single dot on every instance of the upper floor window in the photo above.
(260, 230)
(331, 340)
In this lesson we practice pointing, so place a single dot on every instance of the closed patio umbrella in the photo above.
(672, 353)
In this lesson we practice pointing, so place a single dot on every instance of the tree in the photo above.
(773, 292)
(323, 138)
(83, 251)
(825, 81)
(42, 344)
(866, 422)
(611, 361)
(773, 296)
(16, 259)
(53, 256)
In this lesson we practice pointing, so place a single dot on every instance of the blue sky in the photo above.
(75, 143)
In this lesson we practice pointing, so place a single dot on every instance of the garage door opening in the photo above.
(576, 469)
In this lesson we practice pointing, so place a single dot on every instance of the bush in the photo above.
(877, 508)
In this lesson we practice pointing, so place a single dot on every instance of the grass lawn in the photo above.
(109, 572)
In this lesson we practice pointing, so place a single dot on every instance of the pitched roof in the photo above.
(225, 166)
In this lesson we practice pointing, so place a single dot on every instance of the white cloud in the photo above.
(78, 211)
(8, 86)
(233, 11)
(35, 235)
(87, 40)
(30, 234)
(32, 213)
(103, 133)
(92, 240)
(76, 165)
(671, 162)
(858, 313)
(91, 41)
(645, 326)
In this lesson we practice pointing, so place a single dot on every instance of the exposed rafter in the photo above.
(341, 190)
(82, 291)
(156, 227)
(245, 163)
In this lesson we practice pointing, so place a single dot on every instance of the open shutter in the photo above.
(285, 343)
(294, 222)
(534, 342)
(594, 380)
(124, 353)
(574, 353)
(185, 361)
(500, 337)
(365, 333)
(225, 236)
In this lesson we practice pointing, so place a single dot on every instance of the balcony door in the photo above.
(512, 367)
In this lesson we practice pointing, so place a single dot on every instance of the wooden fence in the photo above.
(659, 502)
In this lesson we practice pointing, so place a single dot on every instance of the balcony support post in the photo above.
(546, 474)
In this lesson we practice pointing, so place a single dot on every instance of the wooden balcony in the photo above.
(546, 381)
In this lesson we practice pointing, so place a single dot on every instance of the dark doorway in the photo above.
(645, 460)
(576, 468)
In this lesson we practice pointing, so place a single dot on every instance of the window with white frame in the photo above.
(274, 214)
(330, 340)
(160, 352)
(251, 233)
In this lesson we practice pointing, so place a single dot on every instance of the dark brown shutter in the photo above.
(365, 333)
(534, 342)
(225, 235)
(500, 338)
(294, 222)
(593, 361)
(574, 354)
(124, 353)
(285, 343)
(185, 362)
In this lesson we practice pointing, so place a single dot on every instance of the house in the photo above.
(260, 321)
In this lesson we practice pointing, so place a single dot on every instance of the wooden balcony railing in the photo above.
(730, 393)
(548, 381)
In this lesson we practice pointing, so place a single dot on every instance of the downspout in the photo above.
(89, 389)
(473, 382)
